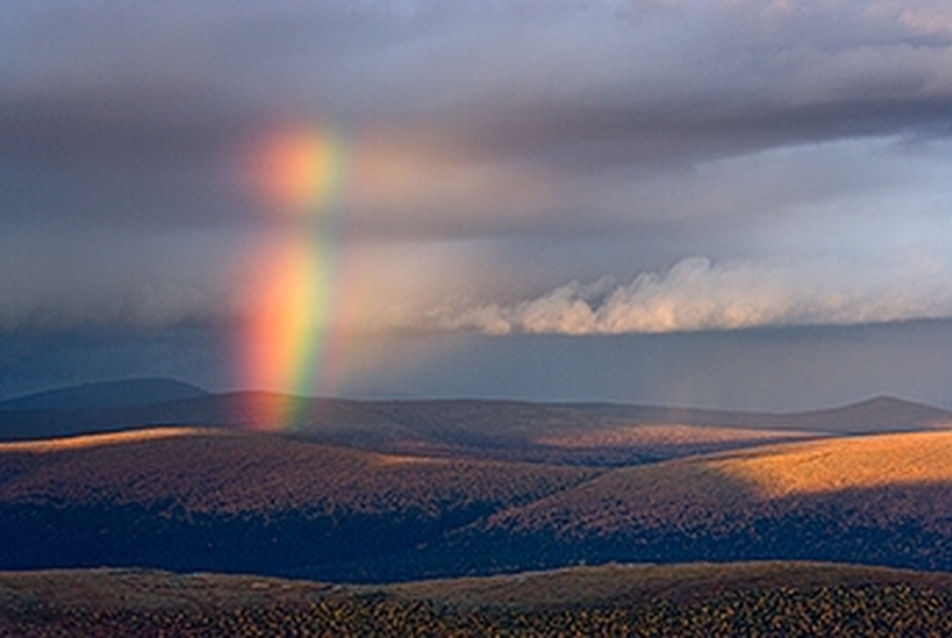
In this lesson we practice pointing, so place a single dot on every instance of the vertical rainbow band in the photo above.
(299, 174)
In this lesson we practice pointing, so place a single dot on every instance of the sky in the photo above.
(728, 203)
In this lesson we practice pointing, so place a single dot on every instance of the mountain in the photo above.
(204, 499)
(500, 430)
(879, 414)
(109, 394)
(773, 598)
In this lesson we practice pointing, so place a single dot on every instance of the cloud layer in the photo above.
(489, 151)
(134, 115)
(696, 295)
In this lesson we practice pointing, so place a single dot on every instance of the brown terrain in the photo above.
(375, 492)
(220, 499)
(366, 492)
(582, 586)
(685, 583)
(771, 598)
(878, 479)
(224, 472)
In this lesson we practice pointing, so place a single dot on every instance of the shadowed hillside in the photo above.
(790, 599)
(190, 498)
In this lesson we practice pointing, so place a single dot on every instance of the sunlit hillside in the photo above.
(881, 499)
(663, 436)
(557, 433)
(724, 490)
(851, 463)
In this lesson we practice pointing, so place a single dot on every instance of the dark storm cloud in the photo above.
(138, 124)
(66, 275)
(566, 86)
(170, 92)
(771, 369)
(579, 137)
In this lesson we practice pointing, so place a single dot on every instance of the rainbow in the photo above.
(298, 174)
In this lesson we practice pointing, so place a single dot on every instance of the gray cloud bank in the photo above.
(550, 91)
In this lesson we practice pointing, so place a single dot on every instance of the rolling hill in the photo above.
(216, 499)
(883, 499)
(212, 499)
(878, 414)
(203, 470)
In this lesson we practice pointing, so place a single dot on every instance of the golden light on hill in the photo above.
(851, 463)
(871, 481)
(99, 440)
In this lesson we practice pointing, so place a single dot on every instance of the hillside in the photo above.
(202, 470)
(200, 498)
(791, 599)
(331, 420)
(616, 583)
(213, 499)
(567, 433)
(883, 499)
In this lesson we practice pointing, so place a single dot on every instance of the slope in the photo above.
(200, 498)
(883, 499)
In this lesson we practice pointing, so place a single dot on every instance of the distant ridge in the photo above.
(601, 434)
(879, 414)
(107, 394)
(875, 415)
